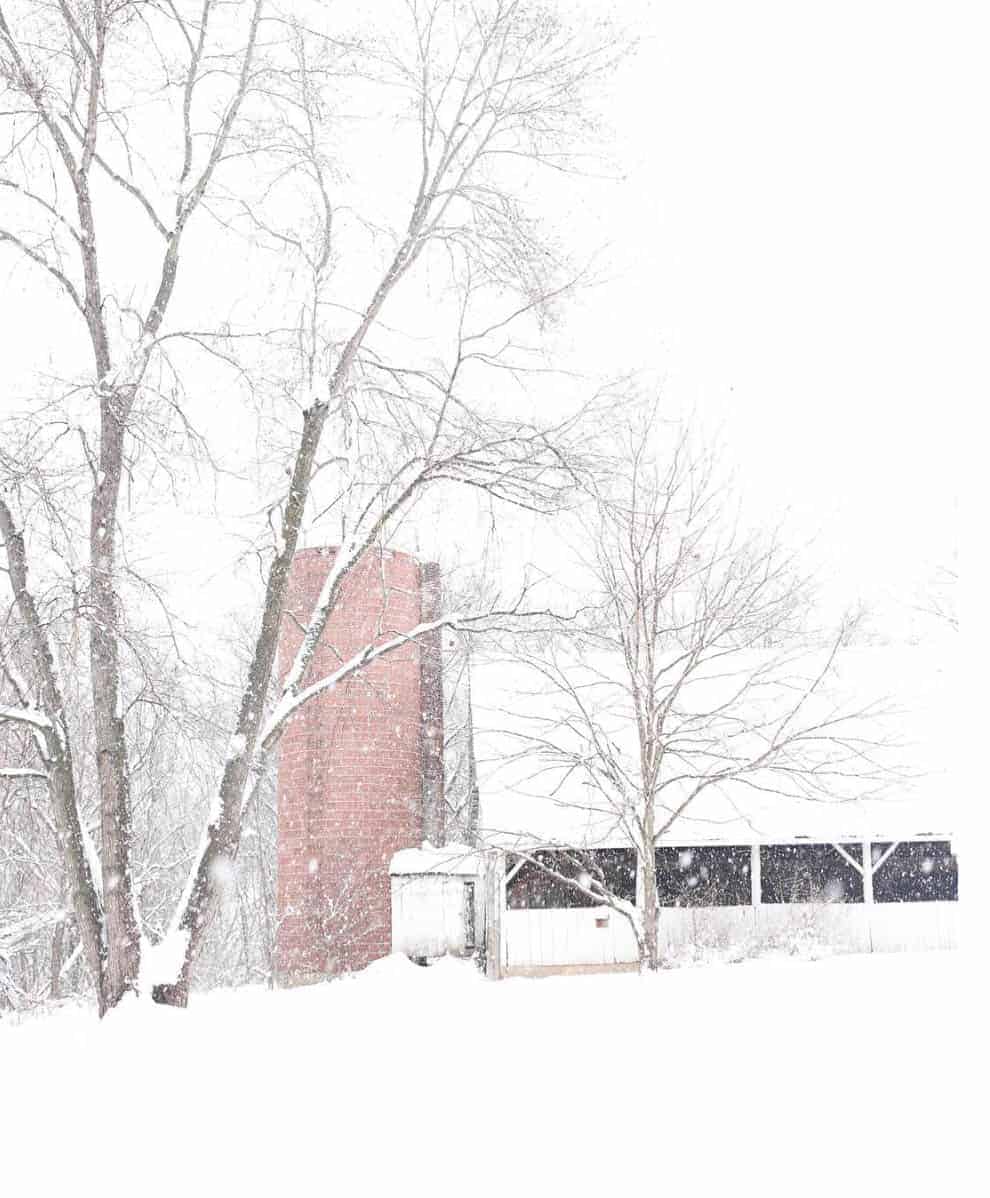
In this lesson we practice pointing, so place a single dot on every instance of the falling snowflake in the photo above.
(222, 872)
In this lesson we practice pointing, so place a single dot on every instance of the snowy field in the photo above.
(845, 1076)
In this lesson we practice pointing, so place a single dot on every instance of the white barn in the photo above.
(743, 869)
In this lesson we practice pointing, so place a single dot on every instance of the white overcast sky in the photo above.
(791, 245)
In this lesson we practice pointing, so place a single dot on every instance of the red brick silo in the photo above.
(354, 763)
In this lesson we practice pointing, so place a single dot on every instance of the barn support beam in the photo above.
(857, 865)
(875, 865)
(867, 871)
(756, 892)
(756, 889)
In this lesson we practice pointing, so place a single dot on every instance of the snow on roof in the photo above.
(448, 859)
(530, 794)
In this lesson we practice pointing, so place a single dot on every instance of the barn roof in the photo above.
(536, 787)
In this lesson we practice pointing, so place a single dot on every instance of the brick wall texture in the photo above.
(350, 775)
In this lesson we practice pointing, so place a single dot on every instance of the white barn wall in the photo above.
(685, 929)
(894, 928)
(566, 936)
(569, 937)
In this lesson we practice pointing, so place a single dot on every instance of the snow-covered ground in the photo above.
(847, 1076)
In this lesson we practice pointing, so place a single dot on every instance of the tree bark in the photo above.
(55, 970)
(122, 933)
(651, 924)
(648, 861)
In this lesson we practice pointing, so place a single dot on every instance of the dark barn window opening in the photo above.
(534, 886)
(921, 871)
(707, 876)
(719, 875)
(810, 873)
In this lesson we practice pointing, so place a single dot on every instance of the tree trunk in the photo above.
(245, 766)
(650, 956)
(651, 926)
(55, 968)
(120, 923)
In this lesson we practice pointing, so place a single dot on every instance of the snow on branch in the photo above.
(14, 935)
(291, 701)
(13, 771)
(27, 715)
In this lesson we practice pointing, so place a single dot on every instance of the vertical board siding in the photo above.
(698, 929)
(428, 915)
(566, 936)
(570, 937)
(899, 926)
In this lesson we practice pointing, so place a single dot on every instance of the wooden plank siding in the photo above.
(536, 939)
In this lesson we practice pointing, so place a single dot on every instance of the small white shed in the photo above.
(436, 901)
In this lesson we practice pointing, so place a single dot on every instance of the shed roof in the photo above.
(458, 859)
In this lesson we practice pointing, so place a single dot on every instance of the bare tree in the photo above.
(698, 670)
(940, 600)
(488, 93)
